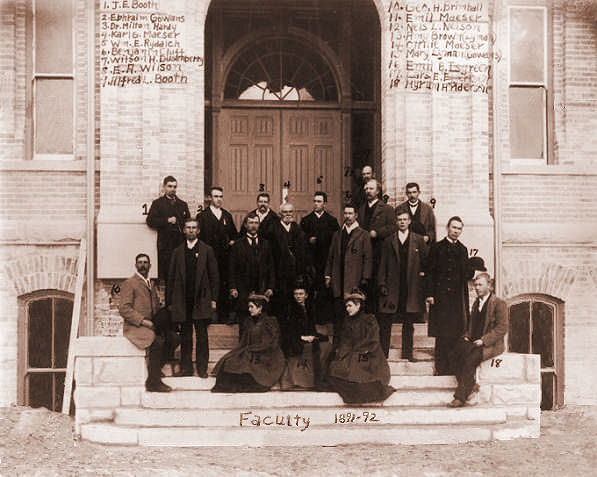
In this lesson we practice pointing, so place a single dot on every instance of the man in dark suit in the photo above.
(191, 295)
(483, 338)
(401, 276)
(319, 228)
(349, 262)
(421, 215)
(217, 230)
(167, 215)
(379, 220)
(447, 294)
(139, 303)
(267, 217)
(359, 197)
(251, 269)
(290, 257)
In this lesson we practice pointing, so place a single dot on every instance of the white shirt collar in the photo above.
(190, 244)
(482, 301)
(217, 212)
(286, 226)
(413, 206)
(319, 214)
(450, 240)
(254, 238)
(146, 280)
(402, 236)
(373, 202)
(349, 229)
(262, 216)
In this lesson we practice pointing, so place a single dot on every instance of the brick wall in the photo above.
(27, 269)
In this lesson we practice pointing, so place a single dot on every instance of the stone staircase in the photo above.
(113, 407)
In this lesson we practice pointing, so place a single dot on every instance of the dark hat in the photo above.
(355, 294)
(258, 298)
(477, 263)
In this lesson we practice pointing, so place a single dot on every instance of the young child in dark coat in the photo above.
(300, 343)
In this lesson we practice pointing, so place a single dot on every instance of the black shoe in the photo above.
(187, 372)
(456, 403)
(203, 374)
(159, 387)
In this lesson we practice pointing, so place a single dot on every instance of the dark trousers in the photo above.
(166, 340)
(156, 358)
(339, 315)
(408, 331)
(468, 357)
(444, 351)
(384, 321)
(201, 347)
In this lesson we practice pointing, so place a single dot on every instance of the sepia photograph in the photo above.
(298, 237)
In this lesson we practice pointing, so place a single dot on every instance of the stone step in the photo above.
(333, 435)
(203, 399)
(226, 336)
(189, 383)
(307, 418)
(393, 355)
(403, 367)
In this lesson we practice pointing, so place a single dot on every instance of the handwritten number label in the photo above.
(144, 207)
(473, 252)
(495, 362)
(349, 417)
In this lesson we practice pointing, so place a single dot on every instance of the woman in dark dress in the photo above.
(359, 371)
(257, 363)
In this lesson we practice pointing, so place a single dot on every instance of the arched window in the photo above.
(47, 330)
(536, 326)
(280, 69)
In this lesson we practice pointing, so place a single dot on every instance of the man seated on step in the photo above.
(144, 324)
(482, 340)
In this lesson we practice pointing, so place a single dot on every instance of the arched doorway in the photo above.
(44, 328)
(537, 326)
(292, 98)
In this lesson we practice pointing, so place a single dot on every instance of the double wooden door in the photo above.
(268, 150)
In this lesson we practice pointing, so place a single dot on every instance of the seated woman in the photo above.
(257, 363)
(358, 370)
(300, 343)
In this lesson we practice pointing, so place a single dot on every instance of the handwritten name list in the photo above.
(139, 44)
(441, 46)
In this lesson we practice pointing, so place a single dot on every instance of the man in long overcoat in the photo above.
(447, 294)
(483, 338)
(167, 215)
(349, 262)
(400, 278)
(319, 228)
(191, 295)
(138, 305)
(377, 218)
(217, 230)
(421, 214)
(290, 257)
(251, 269)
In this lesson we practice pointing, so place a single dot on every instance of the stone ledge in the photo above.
(308, 417)
(97, 397)
(121, 371)
(114, 346)
(510, 366)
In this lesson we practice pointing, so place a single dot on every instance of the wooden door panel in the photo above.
(248, 143)
(311, 159)
(262, 149)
